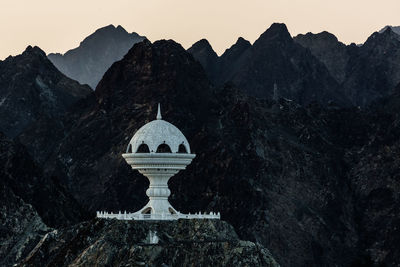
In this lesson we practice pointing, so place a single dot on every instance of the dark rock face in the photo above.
(366, 73)
(181, 243)
(232, 60)
(277, 171)
(88, 62)
(203, 52)
(276, 58)
(304, 181)
(373, 69)
(310, 67)
(395, 29)
(30, 88)
(326, 47)
(20, 227)
(27, 183)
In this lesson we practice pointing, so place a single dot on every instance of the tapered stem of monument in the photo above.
(158, 191)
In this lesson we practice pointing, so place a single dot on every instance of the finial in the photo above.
(159, 112)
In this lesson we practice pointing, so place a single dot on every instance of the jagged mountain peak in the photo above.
(167, 63)
(31, 87)
(241, 41)
(202, 43)
(395, 29)
(278, 32)
(34, 50)
(205, 54)
(385, 37)
(236, 49)
(204, 47)
(95, 54)
(323, 36)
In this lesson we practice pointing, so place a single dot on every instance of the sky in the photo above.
(58, 25)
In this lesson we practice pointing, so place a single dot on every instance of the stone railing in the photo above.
(142, 217)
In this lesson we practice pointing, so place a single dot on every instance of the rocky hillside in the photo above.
(366, 73)
(31, 88)
(177, 243)
(289, 177)
(327, 48)
(395, 29)
(30, 202)
(95, 54)
(275, 58)
(307, 68)
(203, 52)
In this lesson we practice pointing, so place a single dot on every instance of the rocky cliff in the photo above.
(275, 58)
(31, 88)
(136, 243)
(366, 73)
(95, 54)
(282, 174)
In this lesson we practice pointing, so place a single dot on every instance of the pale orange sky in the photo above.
(58, 25)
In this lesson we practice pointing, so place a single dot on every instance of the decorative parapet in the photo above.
(144, 217)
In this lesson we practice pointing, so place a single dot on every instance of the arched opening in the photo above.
(182, 149)
(129, 149)
(146, 210)
(143, 148)
(163, 148)
(171, 211)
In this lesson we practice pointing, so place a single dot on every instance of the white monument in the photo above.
(158, 150)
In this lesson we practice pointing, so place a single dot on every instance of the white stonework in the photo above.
(158, 150)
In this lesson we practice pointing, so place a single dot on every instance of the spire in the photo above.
(159, 112)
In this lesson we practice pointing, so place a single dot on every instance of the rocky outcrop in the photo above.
(203, 52)
(366, 73)
(232, 60)
(21, 227)
(134, 243)
(33, 191)
(395, 29)
(30, 88)
(289, 177)
(273, 169)
(95, 54)
(373, 69)
(275, 58)
(327, 48)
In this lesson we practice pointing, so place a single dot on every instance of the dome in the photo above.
(159, 133)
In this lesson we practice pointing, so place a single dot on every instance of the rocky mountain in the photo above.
(303, 181)
(178, 243)
(275, 58)
(373, 69)
(327, 48)
(395, 29)
(232, 60)
(307, 68)
(31, 88)
(203, 52)
(95, 54)
(31, 203)
(366, 73)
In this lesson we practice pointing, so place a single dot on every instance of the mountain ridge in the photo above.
(95, 54)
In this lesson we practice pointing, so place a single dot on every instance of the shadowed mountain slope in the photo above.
(275, 58)
(283, 175)
(30, 88)
(95, 54)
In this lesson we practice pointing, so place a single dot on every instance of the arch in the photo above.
(129, 148)
(143, 148)
(163, 148)
(147, 210)
(182, 149)
(171, 210)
